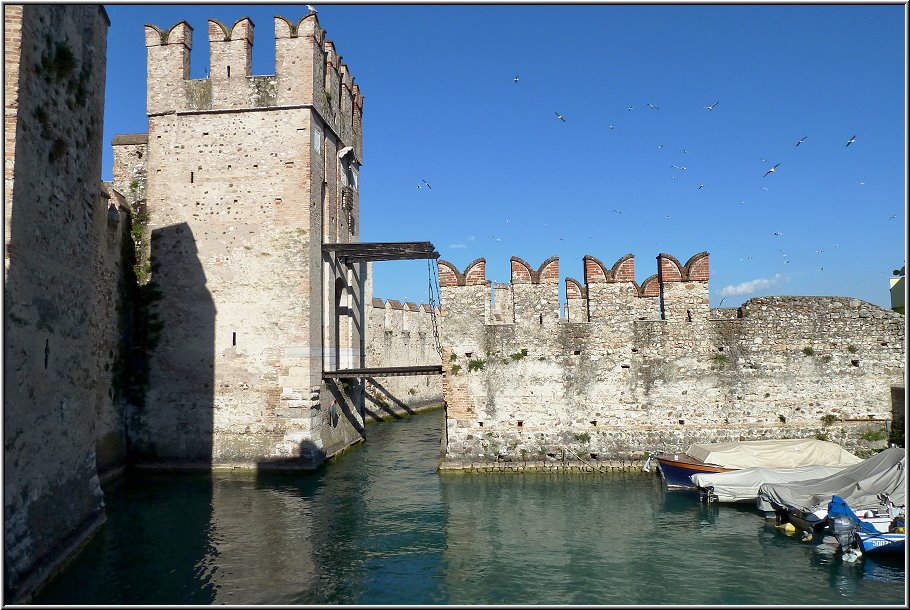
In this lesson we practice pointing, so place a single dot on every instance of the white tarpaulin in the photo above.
(858, 485)
(742, 485)
(784, 453)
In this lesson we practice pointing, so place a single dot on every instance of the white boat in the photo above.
(742, 485)
(875, 489)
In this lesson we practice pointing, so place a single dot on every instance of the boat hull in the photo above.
(882, 543)
(676, 472)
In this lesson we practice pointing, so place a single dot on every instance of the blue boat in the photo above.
(882, 542)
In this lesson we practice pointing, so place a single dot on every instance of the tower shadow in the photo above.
(174, 424)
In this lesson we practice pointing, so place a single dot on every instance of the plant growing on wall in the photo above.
(519, 355)
(875, 435)
(808, 351)
(476, 365)
(829, 419)
(456, 368)
(851, 349)
(720, 359)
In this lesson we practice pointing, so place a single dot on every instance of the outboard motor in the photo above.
(843, 527)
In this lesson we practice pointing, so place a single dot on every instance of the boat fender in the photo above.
(787, 527)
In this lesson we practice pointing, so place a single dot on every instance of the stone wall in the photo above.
(655, 368)
(401, 334)
(246, 178)
(64, 289)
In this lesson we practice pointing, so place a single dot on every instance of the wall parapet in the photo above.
(308, 72)
(612, 292)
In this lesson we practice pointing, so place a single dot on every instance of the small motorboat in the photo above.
(678, 468)
(857, 536)
(874, 490)
(742, 485)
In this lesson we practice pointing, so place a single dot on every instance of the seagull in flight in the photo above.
(851, 140)
(801, 140)
(701, 186)
(659, 146)
(711, 107)
(560, 117)
(516, 79)
(618, 211)
(764, 188)
(310, 8)
(653, 107)
(777, 233)
(771, 170)
(612, 126)
(427, 183)
(630, 108)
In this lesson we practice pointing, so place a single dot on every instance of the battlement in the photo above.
(394, 316)
(676, 291)
(308, 73)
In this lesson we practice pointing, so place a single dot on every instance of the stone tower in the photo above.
(246, 177)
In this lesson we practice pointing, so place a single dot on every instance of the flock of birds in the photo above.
(710, 108)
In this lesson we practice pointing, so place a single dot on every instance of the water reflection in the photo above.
(381, 526)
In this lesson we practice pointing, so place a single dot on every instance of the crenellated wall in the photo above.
(635, 368)
(401, 334)
(308, 73)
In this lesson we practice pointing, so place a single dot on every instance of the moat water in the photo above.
(381, 526)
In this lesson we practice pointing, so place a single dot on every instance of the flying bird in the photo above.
(777, 233)
(516, 79)
(660, 146)
(851, 140)
(701, 186)
(653, 107)
(711, 107)
(618, 211)
(801, 140)
(311, 8)
(560, 117)
(771, 170)
(612, 126)
(427, 183)
(630, 108)
(764, 188)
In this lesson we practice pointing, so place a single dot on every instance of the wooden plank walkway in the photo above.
(386, 371)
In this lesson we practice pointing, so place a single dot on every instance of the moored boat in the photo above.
(874, 490)
(678, 468)
(742, 485)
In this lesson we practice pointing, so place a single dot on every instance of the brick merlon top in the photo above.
(130, 138)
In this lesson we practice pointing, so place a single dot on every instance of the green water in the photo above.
(380, 526)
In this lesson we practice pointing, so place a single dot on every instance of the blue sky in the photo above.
(510, 179)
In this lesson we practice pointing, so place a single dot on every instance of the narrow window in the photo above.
(520, 423)
(229, 72)
(233, 338)
(541, 319)
(47, 351)
(480, 423)
(191, 177)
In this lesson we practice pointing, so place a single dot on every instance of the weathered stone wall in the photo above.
(606, 391)
(247, 177)
(401, 334)
(63, 290)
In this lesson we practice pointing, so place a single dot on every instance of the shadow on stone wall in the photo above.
(173, 423)
(381, 403)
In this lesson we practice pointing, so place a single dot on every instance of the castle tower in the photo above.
(247, 177)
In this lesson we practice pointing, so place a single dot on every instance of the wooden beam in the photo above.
(389, 250)
(387, 371)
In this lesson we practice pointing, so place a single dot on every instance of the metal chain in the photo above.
(433, 288)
